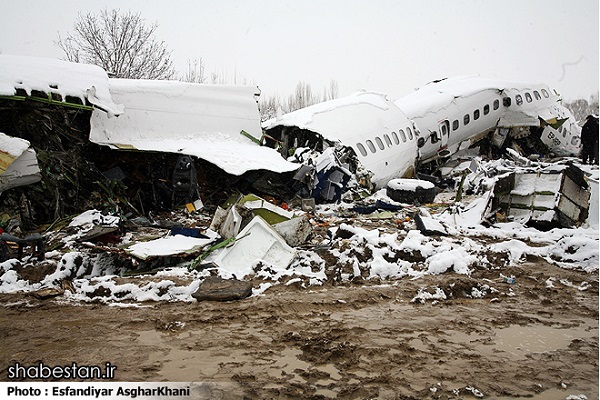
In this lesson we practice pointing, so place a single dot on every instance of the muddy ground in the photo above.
(351, 341)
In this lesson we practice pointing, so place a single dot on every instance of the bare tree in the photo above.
(195, 72)
(581, 108)
(121, 43)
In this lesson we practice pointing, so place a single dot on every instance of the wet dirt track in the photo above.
(348, 342)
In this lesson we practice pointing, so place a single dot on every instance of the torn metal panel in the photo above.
(56, 81)
(256, 242)
(561, 132)
(295, 231)
(544, 199)
(18, 163)
(204, 121)
(593, 212)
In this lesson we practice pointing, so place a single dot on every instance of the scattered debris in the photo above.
(545, 198)
(47, 293)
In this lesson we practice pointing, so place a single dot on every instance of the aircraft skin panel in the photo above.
(24, 170)
(187, 118)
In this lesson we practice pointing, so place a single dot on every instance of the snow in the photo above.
(171, 245)
(55, 76)
(94, 217)
(12, 145)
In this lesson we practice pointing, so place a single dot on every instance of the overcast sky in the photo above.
(390, 46)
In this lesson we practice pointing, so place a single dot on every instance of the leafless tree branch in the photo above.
(121, 43)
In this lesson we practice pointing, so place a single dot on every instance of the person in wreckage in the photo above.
(589, 140)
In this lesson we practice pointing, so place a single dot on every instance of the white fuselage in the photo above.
(383, 138)
(453, 113)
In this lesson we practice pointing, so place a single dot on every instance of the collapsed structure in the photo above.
(141, 146)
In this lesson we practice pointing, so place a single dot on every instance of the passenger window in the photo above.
(545, 93)
(410, 135)
(476, 114)
(371, 146)
(455, 124)
(519, 99)
(486, 109)
(362, 149)
(496, 104)
(575, 141)
(388, 141)
(528, 97)
(395, 137)
(506, 101)
(467, 119)
(564, 131)
(379, 142)
(402, 135)
(537, 95)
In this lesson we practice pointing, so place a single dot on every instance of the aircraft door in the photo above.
(444, 129)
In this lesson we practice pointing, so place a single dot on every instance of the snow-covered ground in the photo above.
(344, 246)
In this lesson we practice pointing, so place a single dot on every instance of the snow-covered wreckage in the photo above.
(135, 161)
(174, 139)
(360, 137)
(218, 123)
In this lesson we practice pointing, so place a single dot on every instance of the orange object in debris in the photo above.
(284, 205)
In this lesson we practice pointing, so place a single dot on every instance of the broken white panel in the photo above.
(204, 121)
(564, 140)
(256, 242)
(22, 171)
(170, 246)
(257, 203)
(295, 231)
(231, 224)
(593, 215)
(65, 78)
(18, 163)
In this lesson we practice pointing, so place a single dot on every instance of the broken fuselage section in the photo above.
(457, 113)
(362, 140)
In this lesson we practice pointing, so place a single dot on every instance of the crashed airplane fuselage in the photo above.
(368, 125)
(455, 113)
(423, 129)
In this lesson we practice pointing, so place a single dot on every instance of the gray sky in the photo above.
(390, 46)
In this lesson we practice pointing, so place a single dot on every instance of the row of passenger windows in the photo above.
(455, 123)
(496, 105)
(529, 99)
(396, 137)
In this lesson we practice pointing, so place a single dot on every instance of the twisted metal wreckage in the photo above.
(72, 138)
